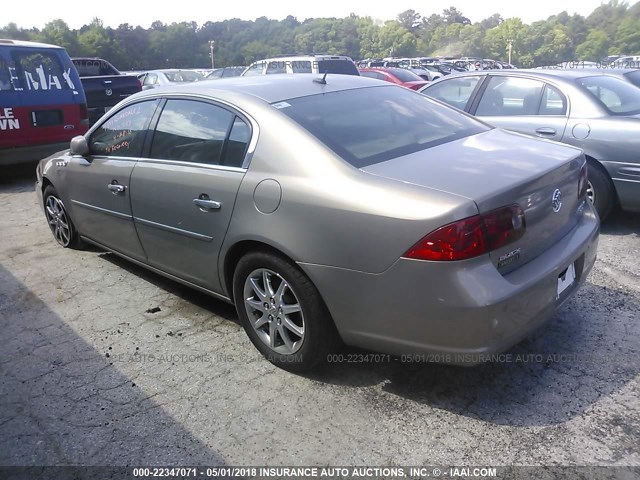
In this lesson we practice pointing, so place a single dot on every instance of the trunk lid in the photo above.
(496, 169)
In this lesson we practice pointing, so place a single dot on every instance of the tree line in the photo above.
(612, 28)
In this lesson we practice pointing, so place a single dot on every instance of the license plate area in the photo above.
(566, 279)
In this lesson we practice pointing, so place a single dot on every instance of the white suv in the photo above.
(303, 64)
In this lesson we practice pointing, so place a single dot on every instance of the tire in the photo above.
(296, 341)
(600, 190)
(59, 221)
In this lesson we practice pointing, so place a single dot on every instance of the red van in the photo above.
(42, 103)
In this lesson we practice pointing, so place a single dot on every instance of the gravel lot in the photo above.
(88, 375)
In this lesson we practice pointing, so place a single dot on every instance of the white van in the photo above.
(303, 64)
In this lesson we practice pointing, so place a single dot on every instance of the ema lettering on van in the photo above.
(39, 80)
(7, 120)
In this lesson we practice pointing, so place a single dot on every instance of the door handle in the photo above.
(116, 189)
(206, 204)
(546, 131)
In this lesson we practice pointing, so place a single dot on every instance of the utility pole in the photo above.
(211, 45)
(509, 46)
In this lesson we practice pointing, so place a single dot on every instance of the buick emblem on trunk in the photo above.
(556, 200)
(108, 92)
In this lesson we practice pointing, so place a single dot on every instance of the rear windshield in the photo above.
(616, 95)
(345, 67)
(405, 75)
(185, 76)
(634, 77)
(34, 69)
(371, 125)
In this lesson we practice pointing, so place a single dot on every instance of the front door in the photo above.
(98, 184)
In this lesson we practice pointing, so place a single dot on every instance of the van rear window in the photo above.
(40, 70)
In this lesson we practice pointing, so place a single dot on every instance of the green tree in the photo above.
(628, 37)
(57, 32)
(595, 47)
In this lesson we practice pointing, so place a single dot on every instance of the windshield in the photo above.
(183, 76)
(346, 67)
(370, 125)
(615, 95)
(405, 75)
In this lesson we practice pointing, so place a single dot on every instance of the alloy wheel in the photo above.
(58, 221)
(274, 311)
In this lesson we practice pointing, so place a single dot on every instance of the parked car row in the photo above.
(592, 110)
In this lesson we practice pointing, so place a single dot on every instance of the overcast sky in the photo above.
(37, 13)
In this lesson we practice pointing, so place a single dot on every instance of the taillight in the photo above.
(583, 182)
(504, 226)
(472, 236)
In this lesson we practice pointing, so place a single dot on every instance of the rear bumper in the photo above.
(30, 153)
(461, 311)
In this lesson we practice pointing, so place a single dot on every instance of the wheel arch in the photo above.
(594, 161)
(237, 251)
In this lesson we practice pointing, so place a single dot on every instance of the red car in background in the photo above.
(399, 76)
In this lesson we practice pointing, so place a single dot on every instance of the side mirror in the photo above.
(79, 146)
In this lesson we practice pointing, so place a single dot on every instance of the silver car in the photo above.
(592, 110)
(328, 209)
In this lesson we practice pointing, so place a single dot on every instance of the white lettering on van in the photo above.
(7, 120)
(67, 77)
(31, 83)
(44, 83)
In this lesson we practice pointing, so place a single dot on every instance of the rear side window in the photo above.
(370, 125)
(345, 67)
(455, 92)
(634, 77)
(507, 96)
(301, 66)
(123, 134)
(191, 131)
(41, 70)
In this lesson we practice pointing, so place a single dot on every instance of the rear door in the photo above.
(50, 101)
(183, 195)
(523, 105)
(13, 117)
(98, 186)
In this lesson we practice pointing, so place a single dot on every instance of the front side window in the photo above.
(191, 131)
(506, 96)
(374, 124)
(123, 134)
(455, 91)
(253, 70)
(617, 96)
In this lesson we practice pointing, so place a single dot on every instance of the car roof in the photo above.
(24, 43)
(566, 74)
(293, 58)
(271, 89)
